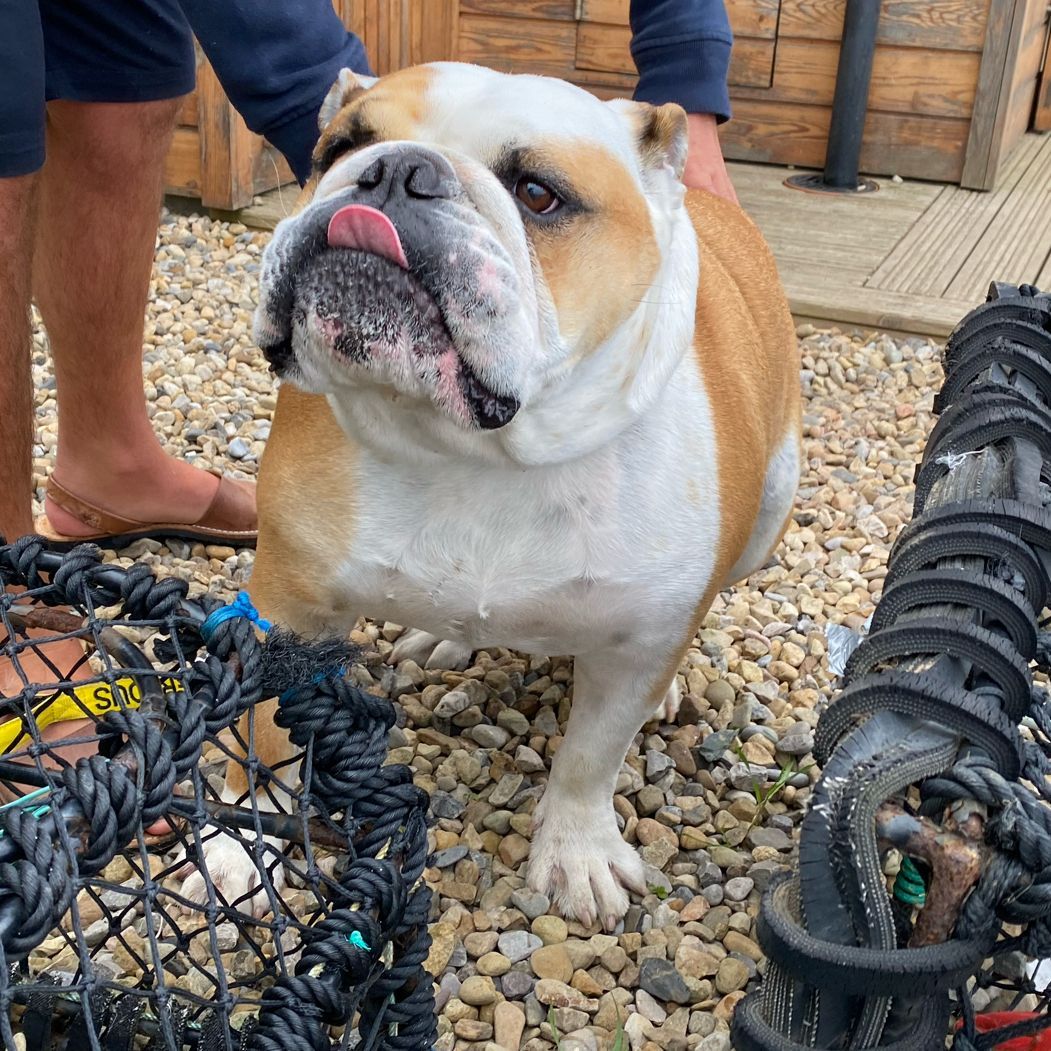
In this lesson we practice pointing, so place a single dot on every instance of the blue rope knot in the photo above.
(240, 607)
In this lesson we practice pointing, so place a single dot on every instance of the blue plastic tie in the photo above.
(240, 607)
(358, 942)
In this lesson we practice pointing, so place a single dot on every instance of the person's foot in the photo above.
(60, 660)
(163, 490)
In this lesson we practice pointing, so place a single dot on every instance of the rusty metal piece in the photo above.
(955, 861)
(45, 618)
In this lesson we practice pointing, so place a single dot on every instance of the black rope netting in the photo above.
(100, 947)
(937, 751)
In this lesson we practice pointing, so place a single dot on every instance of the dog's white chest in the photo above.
(562, 560)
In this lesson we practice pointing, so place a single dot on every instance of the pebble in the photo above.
(518, 945)
(531, 902)
(550, 929)
(731, 976)
(509, 1023)
(738, 888)
(478, 991)
(552, 961)
(662, 981)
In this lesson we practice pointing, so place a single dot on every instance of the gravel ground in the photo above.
(713, 802)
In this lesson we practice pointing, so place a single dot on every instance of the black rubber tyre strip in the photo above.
(1033, 366)
(751, 1033)
(980, 428)
(965, 412)
(985, 396)
(1023, 321)
(975, 717)
(989, 652)
(1032, 524)
(995, 598)
(954, 431)
(850, 970)
(929, 542)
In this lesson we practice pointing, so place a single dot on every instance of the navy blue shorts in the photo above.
(84, 51)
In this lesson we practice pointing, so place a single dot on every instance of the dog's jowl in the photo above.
(534, 394)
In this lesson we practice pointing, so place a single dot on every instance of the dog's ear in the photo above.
(348, 84)
(661, 133)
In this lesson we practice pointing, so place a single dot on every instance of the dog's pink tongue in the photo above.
(359, 226)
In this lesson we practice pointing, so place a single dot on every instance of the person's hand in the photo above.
(705, 167)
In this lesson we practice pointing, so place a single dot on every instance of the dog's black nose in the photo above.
(406, 172)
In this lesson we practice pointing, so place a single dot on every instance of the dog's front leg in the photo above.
(578, 858)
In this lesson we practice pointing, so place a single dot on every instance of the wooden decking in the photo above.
(913, 257)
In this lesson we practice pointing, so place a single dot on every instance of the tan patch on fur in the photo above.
(392, 109)
(308, 457)
(612, 247)
(746, 353)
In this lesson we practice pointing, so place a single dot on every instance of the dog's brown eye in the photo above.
(536, 196)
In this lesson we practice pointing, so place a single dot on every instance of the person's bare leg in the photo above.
(99, 199)
(57, 660)
(17, 199)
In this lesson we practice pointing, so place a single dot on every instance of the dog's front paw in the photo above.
(580, 862)
(429, 651)
(234, 874)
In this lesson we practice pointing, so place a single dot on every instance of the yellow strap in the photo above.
(78, 702)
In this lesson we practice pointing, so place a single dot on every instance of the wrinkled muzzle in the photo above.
(393, 278)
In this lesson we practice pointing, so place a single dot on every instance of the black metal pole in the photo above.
(850, 102)
(849, 106)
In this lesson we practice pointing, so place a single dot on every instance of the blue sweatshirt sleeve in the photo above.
(276, 61)
(682, 51)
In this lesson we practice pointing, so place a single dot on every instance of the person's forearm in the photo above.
(276, 62)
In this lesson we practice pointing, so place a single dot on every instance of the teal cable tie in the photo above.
(357, 941)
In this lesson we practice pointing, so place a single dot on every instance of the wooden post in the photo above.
(1042, 106)
(228, 148)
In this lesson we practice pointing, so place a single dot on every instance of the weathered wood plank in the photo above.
(1024, 83)
(1015, 244)
(754, 18)
(558, 9)
(871, 308)
(518, 45)
(904, 79)
(1042, 104)
(270, 170)
(606, 48)
(433, 31)
(228, 148)
(182, 165)
(188, 111)
(928, 257)
(844, 236)
(894, 143)
(985, 140)
(958, 25)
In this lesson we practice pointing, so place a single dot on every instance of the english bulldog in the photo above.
(535, 394)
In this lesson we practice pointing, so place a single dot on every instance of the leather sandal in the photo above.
(230, 519)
